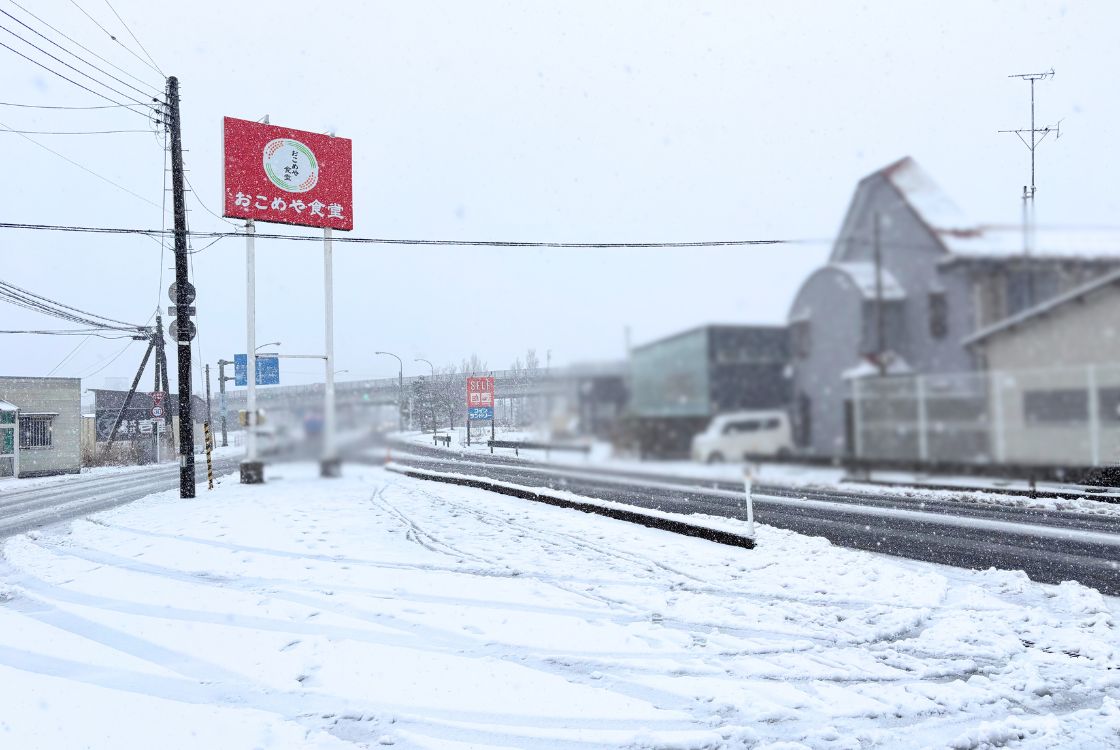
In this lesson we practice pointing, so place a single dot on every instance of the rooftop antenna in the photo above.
(1032, 144)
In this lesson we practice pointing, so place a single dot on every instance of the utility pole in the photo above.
(209, 414)
(880, 330)
(222, 396)
(1036, 136)
(182, 327)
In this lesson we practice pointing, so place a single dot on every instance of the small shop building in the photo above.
(40, 426)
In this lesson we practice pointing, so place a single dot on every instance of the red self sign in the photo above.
(287, 176)
(480, 392)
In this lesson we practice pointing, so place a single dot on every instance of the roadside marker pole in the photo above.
(209, 449)
(748, 482)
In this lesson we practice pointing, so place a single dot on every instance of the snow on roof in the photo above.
(895, 365)
(996, 242)
(967, 239)
(862, 274)
(934, 207)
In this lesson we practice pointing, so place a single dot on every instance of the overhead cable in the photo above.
(80, 166)
(401, 241)
(82, 46)
(71, 80)
(70, 132)
(76, 56)
(114, 38)
(138, 42)
(57, 106)
(76, 70)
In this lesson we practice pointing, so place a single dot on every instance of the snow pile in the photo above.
(378, 609)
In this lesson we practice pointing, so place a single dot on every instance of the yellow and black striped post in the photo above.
(209, 460)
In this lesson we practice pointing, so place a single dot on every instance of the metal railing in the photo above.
(1056, 416)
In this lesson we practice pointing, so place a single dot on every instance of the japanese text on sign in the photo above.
(480, 392)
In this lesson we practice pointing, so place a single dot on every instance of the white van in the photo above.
(732, 437)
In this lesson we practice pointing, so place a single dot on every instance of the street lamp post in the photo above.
(431, 396)
(222, 378)
(252, 469)
(400, 390)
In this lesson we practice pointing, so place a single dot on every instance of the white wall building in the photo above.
(48, 414)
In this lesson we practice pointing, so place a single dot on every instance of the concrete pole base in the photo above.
(330, 468)
(252, 472)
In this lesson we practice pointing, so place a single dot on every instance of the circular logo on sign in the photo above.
(290, 165)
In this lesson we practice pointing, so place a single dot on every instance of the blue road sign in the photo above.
(480, 412)
(268, 370)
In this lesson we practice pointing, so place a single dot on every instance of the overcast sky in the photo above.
(573, 121)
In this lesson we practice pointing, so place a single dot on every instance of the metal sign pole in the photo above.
(748, 487)
(329, 466)
(252, 471)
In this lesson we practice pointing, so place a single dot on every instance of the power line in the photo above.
(71, 132)
(55, 106)
(72, 352)
(138, 42)
(75, 55)
(71, 80)
(82, 46)
(118, 41)
(32, 301)
(111, 361)
(422, 242)
(76, 70)
(79, 166)
(204, 206)
(69, 332)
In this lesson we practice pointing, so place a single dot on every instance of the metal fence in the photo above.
(1053, 417)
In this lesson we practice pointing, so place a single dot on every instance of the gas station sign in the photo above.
(480, 398)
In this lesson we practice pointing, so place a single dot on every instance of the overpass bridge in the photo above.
(289, 403)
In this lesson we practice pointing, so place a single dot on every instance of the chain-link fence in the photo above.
(1053, 417)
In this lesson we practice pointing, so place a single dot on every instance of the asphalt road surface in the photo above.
(1050, 546)
(72, 497)
(25, 509)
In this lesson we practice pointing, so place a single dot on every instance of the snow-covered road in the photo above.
(378, 609)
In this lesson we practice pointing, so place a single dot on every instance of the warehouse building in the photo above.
(679, 383)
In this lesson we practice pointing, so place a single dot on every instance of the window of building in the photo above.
(35, 431)
(1019, 291)
(1108, 400)
(894, 333)
(804, 432)
(800, 333)
(1029, 287)
(1056, 406)
(938, 315)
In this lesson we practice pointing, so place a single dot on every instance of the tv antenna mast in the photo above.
(1031, 138)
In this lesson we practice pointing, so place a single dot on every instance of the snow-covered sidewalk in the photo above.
(378, 609)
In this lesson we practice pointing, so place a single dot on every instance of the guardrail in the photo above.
(520, 445)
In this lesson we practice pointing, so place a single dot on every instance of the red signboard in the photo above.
(287, 176)
(480, 392)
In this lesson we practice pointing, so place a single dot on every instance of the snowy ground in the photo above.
(378, 609)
